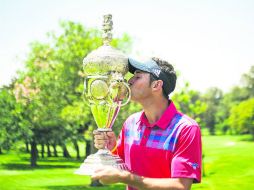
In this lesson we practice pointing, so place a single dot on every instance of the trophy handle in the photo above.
(129, 94)
(117, 97)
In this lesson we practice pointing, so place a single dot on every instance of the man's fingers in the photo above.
(96, 132)
(111, 134)
(100, 143)
(102, 139)
(99, 170)
(100, 135)
(97, 174)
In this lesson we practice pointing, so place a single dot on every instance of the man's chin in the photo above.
(133, 99)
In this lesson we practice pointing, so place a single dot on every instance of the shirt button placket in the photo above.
(145, 136)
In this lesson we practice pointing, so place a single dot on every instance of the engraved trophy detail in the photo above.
(105, 91)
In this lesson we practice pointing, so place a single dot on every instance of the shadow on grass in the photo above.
(61, 159)
(54, 159)
(247, 138)
(28, 167)
(79, 187)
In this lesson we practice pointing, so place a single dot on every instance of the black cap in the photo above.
(151, 67)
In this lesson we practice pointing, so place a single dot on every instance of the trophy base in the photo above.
(99, 160)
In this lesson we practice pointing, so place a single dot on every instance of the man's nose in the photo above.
(130, 81)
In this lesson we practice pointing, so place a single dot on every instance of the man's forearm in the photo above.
(143, 183)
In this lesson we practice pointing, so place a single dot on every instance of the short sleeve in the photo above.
(187, 158)
(120, 145)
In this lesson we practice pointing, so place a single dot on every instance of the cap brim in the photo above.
(133, 65)
(146, 66)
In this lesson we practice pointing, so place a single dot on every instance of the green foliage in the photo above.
(8, 121)
(248, 82)
(212, 97)
(189, 102)
(125, 47)
(217, 116)
(234, 97)
(241, 117)
(49, 101)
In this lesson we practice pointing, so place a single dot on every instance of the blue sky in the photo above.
(210, 42)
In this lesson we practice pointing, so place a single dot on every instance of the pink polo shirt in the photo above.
(168, 148)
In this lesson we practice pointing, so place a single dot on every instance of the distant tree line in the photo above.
(221, 113)
(44, 106)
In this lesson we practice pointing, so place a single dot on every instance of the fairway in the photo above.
(228, 163)
(228, 166)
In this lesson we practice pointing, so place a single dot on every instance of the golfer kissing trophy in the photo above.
(106, 91)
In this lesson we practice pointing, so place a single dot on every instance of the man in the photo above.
(160, 145)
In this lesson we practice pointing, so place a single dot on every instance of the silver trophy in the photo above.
(106, 91)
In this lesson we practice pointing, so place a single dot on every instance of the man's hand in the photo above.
(108, 175)
(104, 139)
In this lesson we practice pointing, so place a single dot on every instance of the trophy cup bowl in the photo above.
(105, 91)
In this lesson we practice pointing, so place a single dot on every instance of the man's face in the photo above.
(140, 86)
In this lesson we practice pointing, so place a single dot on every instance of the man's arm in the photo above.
(111, 175)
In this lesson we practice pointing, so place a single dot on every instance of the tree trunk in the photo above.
(55, 151)
(252, 133)
(65, 151)
(76, 148)
(212, 127)
(27, 147)
(34, 153)
(42, 150)
(1, 151)
(48, 150)
(93, 149)
(88, 148)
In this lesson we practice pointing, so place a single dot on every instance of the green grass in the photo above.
(51, 174)
(229, 165)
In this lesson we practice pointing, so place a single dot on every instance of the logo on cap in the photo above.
(157, 72)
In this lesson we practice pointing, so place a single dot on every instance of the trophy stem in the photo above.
(116, 111)
(105, 149)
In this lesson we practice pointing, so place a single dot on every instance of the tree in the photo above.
(189, 102)
(51, 87)
(76, 118)
(248, 82)
(241, 117)
(26, 92)
(9, 120)
(234, 97)
(212, 99)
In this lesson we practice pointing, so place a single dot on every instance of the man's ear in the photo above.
(157, 85)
